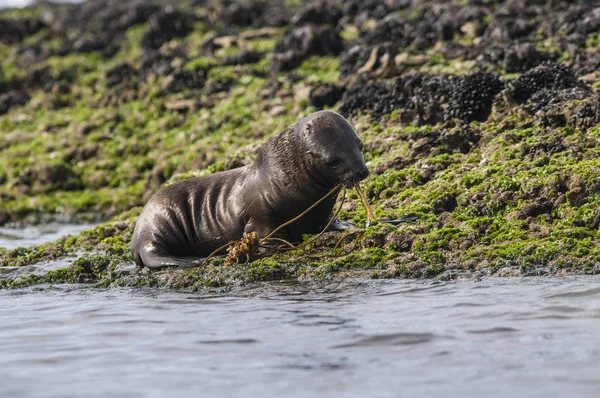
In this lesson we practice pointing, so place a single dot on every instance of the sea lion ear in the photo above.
(306, 130)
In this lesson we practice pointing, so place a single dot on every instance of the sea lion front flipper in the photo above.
(340, 225)
(404, 219)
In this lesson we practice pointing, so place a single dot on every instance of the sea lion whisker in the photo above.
(363, 197)
(284, 241)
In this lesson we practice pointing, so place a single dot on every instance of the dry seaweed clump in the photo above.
(481, 118)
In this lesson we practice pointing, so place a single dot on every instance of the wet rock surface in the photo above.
(481, 117)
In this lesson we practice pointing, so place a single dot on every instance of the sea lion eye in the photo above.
(360, 145)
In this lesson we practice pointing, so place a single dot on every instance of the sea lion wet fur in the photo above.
(184, 222)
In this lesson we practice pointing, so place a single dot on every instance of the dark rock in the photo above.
(327, 94)
(318, 13)
(365, 95)
(524, 56)
(416, 97)
(304, 42)
(14, 30)
(78, 154)
(398, 163)
(110, 17)
(446, 203)
(85, 45)
(548, 75)
(536, 208)
(400, 241)
(184, 80)
(156, 63)
(219, 85)
(12, 98)
(472, 96)
(426, 94)
(353, 58)
(546, 99)
(392, 29)
(511, 22)
(445, 29)
(127, 14)
(48, 178)
(4, 218)
(431, 143)
(154, 181)
(473, 13)
(255, 13)
(587, 115)
(358, 11)
(97, 25)
(164, 26)
(243, 57)
(40, 78)
(120, 73)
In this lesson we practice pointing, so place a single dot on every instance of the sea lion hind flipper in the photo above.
(156, 261)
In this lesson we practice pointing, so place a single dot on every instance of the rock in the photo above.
(243, 57)
(548, 75)
(524, 56)
(183, 105)
(256, 13)
(318, 13)
(417, 97)
(164, 26)
(304, 42)
(119, 73)
(14, 30)
(183, 80)
(472, 96)
(11, 99)
(327, 94)
(508, 272)
(4, 218)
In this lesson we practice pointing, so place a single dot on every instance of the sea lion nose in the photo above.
(362, 173)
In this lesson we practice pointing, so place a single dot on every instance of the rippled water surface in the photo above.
(496, 337)
(11, 238)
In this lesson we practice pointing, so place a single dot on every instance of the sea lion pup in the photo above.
(184, 222)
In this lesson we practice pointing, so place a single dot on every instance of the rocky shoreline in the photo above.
(481, 117)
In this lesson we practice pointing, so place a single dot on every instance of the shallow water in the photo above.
(11, 238)
(495, 337)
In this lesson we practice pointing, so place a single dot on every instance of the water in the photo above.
(11, 238)
(25, 3)
(534, 337)
(495, 337)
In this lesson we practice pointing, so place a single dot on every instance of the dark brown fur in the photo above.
(186, 221)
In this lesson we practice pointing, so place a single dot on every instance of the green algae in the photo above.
(525, 196)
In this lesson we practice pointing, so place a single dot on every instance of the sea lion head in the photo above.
(333, 148)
